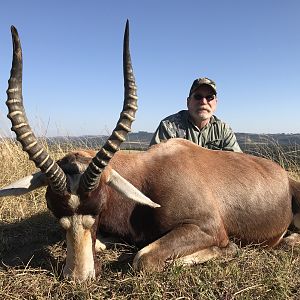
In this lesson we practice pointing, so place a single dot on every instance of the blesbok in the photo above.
(202, 197)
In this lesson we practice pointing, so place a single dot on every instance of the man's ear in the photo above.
(188, 100)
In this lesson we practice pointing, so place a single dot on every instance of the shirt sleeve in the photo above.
(230, 142)
(162, 133)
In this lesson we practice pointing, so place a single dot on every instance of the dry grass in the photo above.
(288, 156)
(32, 252)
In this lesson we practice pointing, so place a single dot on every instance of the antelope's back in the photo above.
(191, 182)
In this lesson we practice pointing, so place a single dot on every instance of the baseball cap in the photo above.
(200, 81)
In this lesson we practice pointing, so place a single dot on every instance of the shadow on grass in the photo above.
(118, 256)
(29, 242)
(39, 242)
(123, 264)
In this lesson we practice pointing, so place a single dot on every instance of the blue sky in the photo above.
(72, 52)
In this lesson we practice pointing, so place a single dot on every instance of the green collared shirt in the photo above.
(215, 135)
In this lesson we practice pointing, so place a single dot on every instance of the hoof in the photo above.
(292, 240)
(99, 246)
(145, 262)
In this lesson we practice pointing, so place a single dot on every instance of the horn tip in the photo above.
(127, 28)
(13, 29)
(14, 33)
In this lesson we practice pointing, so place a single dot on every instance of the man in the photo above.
(198, 124)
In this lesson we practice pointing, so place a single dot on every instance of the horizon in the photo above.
(72, 55)
(146, 132)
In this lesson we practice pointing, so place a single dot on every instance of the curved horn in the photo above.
(20, 124)
(90, 177)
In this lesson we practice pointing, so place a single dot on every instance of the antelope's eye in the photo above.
(65, 223)
(87, 221)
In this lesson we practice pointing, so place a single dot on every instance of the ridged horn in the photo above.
(20, 124)
(89, 179)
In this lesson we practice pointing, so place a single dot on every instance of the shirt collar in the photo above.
(212, 120)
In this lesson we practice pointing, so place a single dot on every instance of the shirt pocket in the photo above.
(214, 144)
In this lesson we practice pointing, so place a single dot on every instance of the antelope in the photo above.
(176, 201)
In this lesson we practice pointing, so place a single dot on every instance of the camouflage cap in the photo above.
(200, 81)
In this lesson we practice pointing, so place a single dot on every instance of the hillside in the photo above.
(140, 140)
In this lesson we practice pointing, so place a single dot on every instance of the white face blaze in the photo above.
(80, 259)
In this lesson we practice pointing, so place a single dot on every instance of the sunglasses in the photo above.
(200, 97)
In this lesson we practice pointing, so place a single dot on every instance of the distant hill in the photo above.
(281, 138)
(140, 140)
(135, 141)
(283, 148)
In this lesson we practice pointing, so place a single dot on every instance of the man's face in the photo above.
(202, 103)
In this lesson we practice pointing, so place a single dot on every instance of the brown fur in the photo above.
(206, 197)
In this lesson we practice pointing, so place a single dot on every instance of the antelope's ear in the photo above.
(126, 189)
(24, 185)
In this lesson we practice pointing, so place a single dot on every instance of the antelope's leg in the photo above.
(292, 240)
(100, 245)
(187, 244)
(204, 255)
(104, 242)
